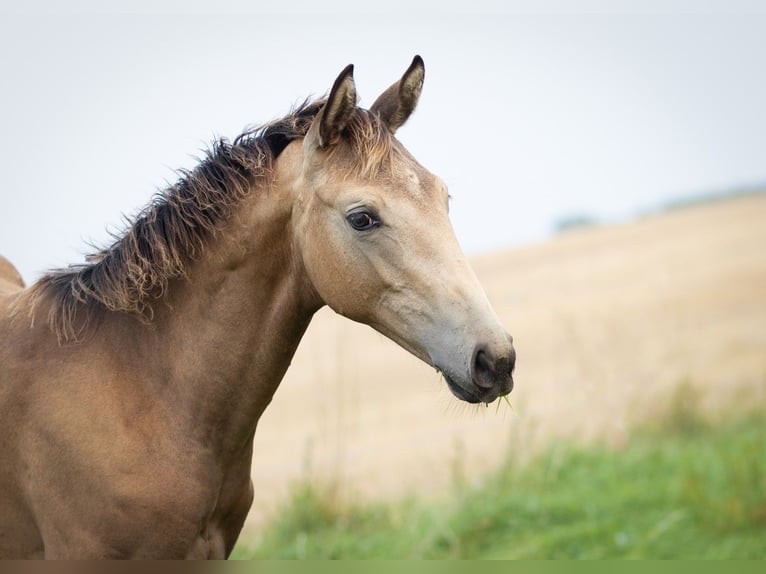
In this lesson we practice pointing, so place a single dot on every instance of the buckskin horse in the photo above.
(131, 385)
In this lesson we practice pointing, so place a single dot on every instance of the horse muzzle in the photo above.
(490, 377)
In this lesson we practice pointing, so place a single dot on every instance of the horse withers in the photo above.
(131, 385)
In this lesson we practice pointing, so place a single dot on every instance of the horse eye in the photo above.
(362, 220)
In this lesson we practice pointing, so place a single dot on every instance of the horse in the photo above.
(131, 384)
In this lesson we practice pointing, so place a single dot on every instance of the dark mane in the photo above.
(171, 230)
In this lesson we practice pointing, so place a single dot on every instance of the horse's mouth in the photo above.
(485, 396)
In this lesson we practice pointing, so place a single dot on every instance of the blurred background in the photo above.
(606, 162)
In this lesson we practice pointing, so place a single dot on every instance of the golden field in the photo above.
(608, 323)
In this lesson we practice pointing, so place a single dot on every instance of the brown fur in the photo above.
(10, 280)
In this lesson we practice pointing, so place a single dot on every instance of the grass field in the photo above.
(682, 488)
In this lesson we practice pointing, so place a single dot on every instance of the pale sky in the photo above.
(531, 111)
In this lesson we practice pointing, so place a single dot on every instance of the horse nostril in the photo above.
(489, 372)
(483, 369)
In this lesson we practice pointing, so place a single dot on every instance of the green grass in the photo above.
(682, 489)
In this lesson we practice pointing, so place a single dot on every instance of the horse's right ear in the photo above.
(331, 120)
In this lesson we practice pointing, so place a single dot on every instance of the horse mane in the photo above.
(173, 229)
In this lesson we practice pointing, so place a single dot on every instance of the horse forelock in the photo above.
(371, 143)
(162, 239)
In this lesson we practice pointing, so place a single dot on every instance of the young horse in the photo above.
(131, 385)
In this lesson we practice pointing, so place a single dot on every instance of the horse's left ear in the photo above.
(396, 104)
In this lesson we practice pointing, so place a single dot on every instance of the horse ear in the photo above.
(396, 104)
(339, 108)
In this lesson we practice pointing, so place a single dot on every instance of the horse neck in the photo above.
(229, 330)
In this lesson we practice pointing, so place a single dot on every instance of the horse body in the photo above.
(128, 415)
(143, 441)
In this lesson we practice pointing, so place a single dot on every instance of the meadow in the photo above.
(683, 489)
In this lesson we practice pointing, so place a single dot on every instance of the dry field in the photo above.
(607, 323)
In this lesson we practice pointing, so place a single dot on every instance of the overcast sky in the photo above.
(531, 111)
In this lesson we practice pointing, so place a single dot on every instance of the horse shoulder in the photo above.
(95, 455)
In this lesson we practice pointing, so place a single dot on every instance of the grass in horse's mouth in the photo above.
(504, 399)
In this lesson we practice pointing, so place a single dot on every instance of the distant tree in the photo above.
(575, 221)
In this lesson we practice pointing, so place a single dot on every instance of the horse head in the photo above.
(373, 230)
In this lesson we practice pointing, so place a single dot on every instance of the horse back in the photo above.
(10, 279)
